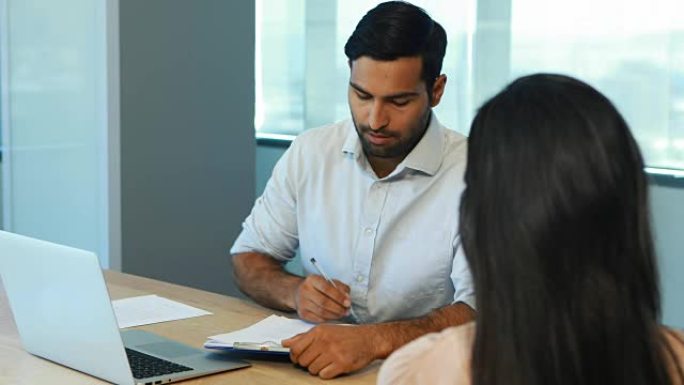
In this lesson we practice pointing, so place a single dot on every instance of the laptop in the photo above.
(64, 314)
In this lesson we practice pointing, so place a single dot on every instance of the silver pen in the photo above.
(325, 276)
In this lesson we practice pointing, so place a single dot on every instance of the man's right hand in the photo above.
(318, 301)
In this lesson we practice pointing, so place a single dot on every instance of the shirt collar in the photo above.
(426, 156)
(352, 144)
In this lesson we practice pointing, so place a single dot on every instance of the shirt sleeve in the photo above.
(461, 277)
(271, 227)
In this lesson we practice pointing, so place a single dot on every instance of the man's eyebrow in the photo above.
(358, 88)
(398, 95)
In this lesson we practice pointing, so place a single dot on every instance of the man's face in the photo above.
(390, 105)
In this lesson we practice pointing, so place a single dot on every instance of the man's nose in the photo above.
(377, 117)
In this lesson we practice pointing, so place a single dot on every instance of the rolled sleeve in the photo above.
(271, 227)
(462, 278)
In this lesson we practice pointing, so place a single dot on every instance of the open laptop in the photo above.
(64, 314)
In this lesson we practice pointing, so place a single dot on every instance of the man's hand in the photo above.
(330, 350)
(313, 298)
(316, 300)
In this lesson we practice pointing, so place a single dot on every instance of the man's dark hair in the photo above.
(397, 29)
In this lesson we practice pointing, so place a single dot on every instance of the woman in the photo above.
(555, 226)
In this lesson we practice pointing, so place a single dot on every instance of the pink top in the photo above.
(436, 358)
(444, 358)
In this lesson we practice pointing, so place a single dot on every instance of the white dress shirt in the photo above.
(393, 240)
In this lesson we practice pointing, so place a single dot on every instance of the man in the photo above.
(374, 200)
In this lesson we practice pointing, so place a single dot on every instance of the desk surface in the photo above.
(19, 367)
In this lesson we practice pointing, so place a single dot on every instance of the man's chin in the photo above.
(392, 149)
(380, 151)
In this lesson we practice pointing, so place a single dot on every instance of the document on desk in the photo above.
(264, 335)
(150, 309)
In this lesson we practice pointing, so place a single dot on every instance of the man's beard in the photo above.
(399, 149)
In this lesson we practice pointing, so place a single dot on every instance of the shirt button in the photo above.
(359, 278)
(368, 231)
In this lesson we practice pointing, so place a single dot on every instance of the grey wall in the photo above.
(187, 137)
(1, 197)
(667, 204)
(266, 158)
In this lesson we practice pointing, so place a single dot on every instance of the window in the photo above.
(298, 87)
(633, 51)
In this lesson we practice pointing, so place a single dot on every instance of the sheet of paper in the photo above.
(274, 328)
(150, 309)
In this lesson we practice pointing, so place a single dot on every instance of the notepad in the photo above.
(265, 335)
(150, 309)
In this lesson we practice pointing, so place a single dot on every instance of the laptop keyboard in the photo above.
(145, 365)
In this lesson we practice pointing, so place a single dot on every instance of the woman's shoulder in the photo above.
(675, 342)
(436, 358)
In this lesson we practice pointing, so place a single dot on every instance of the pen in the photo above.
(325, 276)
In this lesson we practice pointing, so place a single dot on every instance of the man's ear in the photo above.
(438, 90)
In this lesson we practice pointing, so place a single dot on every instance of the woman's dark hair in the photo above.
(555, 225)
(397, 29)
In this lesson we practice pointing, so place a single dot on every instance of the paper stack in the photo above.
(267, 332)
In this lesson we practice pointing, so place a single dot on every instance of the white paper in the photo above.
(274, 328)
(150, 309)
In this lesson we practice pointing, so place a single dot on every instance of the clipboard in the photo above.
(270, 348)
(259, 339)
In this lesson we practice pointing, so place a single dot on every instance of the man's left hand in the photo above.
(330, 350)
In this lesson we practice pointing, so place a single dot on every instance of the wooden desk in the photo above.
(21, 368)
